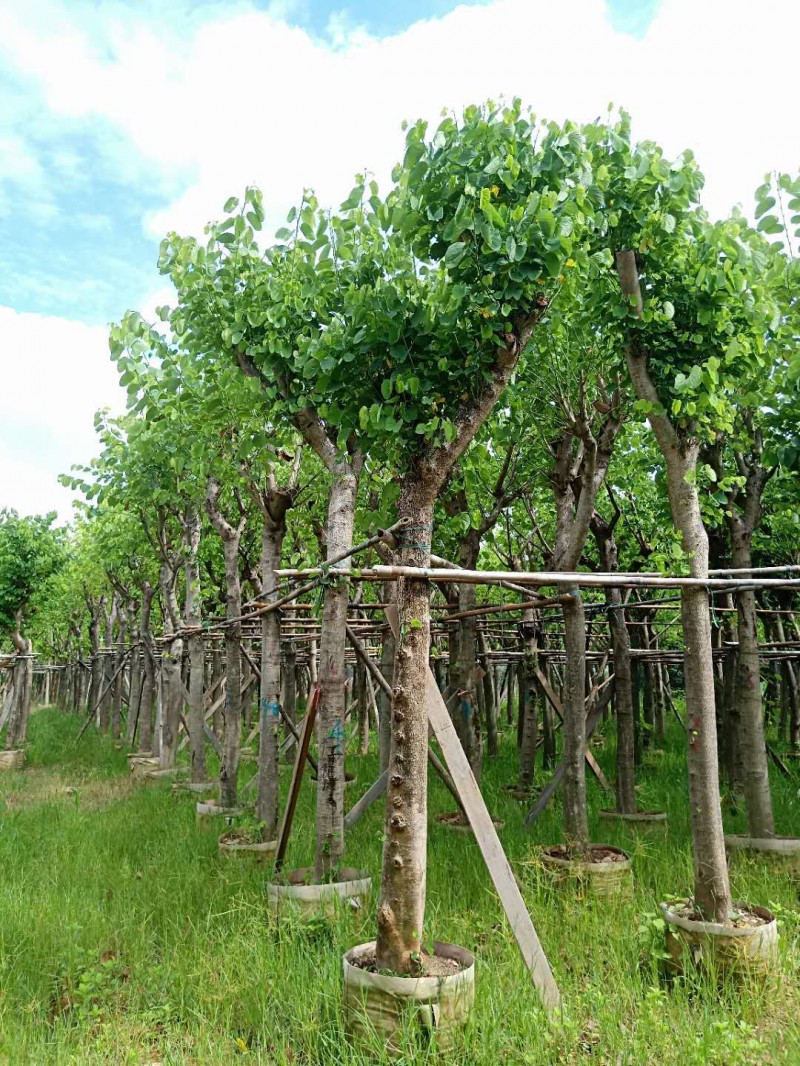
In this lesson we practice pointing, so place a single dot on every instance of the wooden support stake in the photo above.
(359, 809)
(297, 778)
(555, 703)
(552, 785)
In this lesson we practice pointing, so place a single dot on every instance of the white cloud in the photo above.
(54, 375)
(244, 97)
(232, 95)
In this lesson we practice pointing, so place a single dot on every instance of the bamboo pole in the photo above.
(536, 578)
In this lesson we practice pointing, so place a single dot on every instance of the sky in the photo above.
(121, 120)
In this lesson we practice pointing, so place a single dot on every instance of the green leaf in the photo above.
(455, 253)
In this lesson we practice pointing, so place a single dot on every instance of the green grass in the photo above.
(125, 939)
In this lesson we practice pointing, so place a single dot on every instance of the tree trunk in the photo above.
(528, 702)
(401, 910)
(171, 682)
(760, 820)
(576, 827)
(96, 686)
(104, 710)
(272, 535)
(119, 676)
(330, 715)
(17, 732)
(489, 700)
(196, 648)
(384, 700)
(229, 767)
(148, 670)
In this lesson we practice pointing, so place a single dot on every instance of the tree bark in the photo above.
(330, 715)
(528, 701)
(384, 701)
(760, 820)
(171, 682)
(275, 504)
(576, 826)
(401, 910)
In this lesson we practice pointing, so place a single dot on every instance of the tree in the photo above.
(690, 319)
(31, 552)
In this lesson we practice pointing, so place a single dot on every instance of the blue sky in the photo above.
(120, 120)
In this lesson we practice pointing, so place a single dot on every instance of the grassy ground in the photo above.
(125, 939)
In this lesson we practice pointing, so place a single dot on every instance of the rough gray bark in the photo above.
(712, 893)
(330, 715)
(576, 826)
(275, 503)
(384, 701)
(401, 909)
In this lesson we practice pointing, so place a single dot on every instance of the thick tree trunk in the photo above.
(401, 911)
(330, 715)
(272, 535)
(576, 827)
